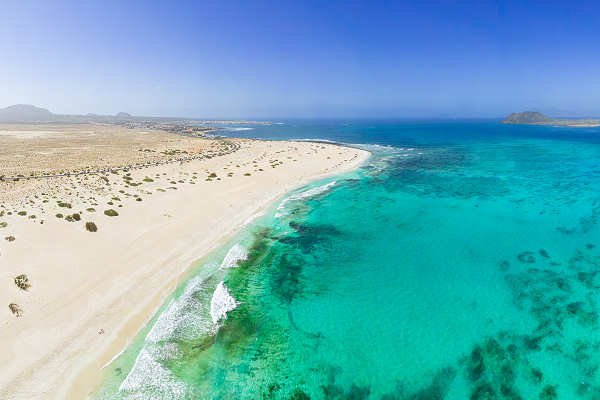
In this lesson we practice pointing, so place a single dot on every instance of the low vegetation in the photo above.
(111, 213)
(91, 227)
(22, 282)
(15, 309)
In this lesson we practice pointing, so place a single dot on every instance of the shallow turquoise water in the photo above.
(462, 261)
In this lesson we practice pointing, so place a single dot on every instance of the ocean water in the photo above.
(461, 261)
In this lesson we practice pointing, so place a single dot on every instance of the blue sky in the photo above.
(302, 59)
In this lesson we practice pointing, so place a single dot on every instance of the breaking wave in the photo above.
(239, 129)
(235, 254)
(221, 303)
(303, 195)
(149, 380)
(189, 316)
(187, 312)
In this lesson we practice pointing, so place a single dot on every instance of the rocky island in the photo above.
(537, 118)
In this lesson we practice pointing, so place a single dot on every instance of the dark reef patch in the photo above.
(285, 277)
(439, 173)
(260, 247)
(299, 395)
(585, 223)
(526, 257)
(307, 237)
(555, 298)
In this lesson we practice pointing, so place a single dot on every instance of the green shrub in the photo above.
(22, 213)
(3, 224)
(212, 175)
(111, 213)
(146, 179)
(22, 282)
(90, 209)
(91, 227)
(15, 309)
(64, 205)
(59, 215)
(69, 218)
(76, 217)
(247, 174)
(10, 238)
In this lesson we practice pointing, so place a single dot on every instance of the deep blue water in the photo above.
(410, 132)
(462, 261)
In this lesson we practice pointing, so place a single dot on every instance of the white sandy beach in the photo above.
(115, 278)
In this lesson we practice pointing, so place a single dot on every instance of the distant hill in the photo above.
(537, 118)
(25, 113)
(526, 117)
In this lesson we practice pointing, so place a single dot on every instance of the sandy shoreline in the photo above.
(114, 279)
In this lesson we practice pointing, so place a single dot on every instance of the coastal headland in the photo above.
(537, 118)
(99, 221)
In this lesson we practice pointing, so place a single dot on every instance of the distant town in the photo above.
(25, 113)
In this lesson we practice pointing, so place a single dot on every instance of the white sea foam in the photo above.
(184, 318)
(114, 358)
(303, 195)
(149, 380)
(188, 316)
(254, 217)
(221, 303)
(235, 254)
(239, 129)
(316, 140)
(178, 314)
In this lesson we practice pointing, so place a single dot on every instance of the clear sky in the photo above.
(301, 59)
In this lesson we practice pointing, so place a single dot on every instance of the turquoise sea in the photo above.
(462, 261)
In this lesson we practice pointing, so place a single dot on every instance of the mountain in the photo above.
(25, 113)
(536, 118)
(526, 117)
